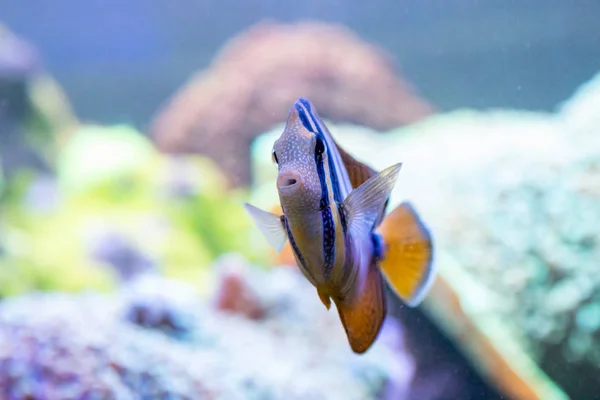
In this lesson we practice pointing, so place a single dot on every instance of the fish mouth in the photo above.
(287, 180)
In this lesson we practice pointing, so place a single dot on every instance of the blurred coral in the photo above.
(96, 224)
(154, 302)
(233, 293)
(253, 82)
(523, 229)
(56, 346)
(18, 58)
(116, 250)
(35, 116)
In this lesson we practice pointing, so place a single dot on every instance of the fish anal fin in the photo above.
(363, 313)
(407, 263)
(325, 299)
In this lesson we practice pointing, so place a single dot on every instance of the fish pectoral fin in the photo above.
(363, 314)
(408, 258)
(271, 225)
(364, 204)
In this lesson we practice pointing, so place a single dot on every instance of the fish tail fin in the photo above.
(362, 314)
(407, 262)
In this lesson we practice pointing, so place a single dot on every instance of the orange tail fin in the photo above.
(407, 263)
(363, 314)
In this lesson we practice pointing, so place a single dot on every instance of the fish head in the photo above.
(298, 152)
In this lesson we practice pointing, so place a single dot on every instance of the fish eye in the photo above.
(274, 157)
(319, 147)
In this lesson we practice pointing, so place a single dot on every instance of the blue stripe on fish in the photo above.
(328, 240)
(311, 124)
(335, 159)
(319, 131)
(337, 195)
(304, 120)
(305, 103)
(378, 245)
(327, 218)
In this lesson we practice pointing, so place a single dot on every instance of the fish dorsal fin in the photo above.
(363, 206)
(357, 171)
(271, 225)
(408, 258)
(363, 313)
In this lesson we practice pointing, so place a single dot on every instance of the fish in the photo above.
(334, 218)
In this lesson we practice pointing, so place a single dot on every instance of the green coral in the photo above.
(177, 211)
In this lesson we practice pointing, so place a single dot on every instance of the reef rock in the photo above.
(234, 294)
(157, 339)
(255, 79)
(511, 198)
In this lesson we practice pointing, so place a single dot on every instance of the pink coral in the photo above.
(256, 78)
